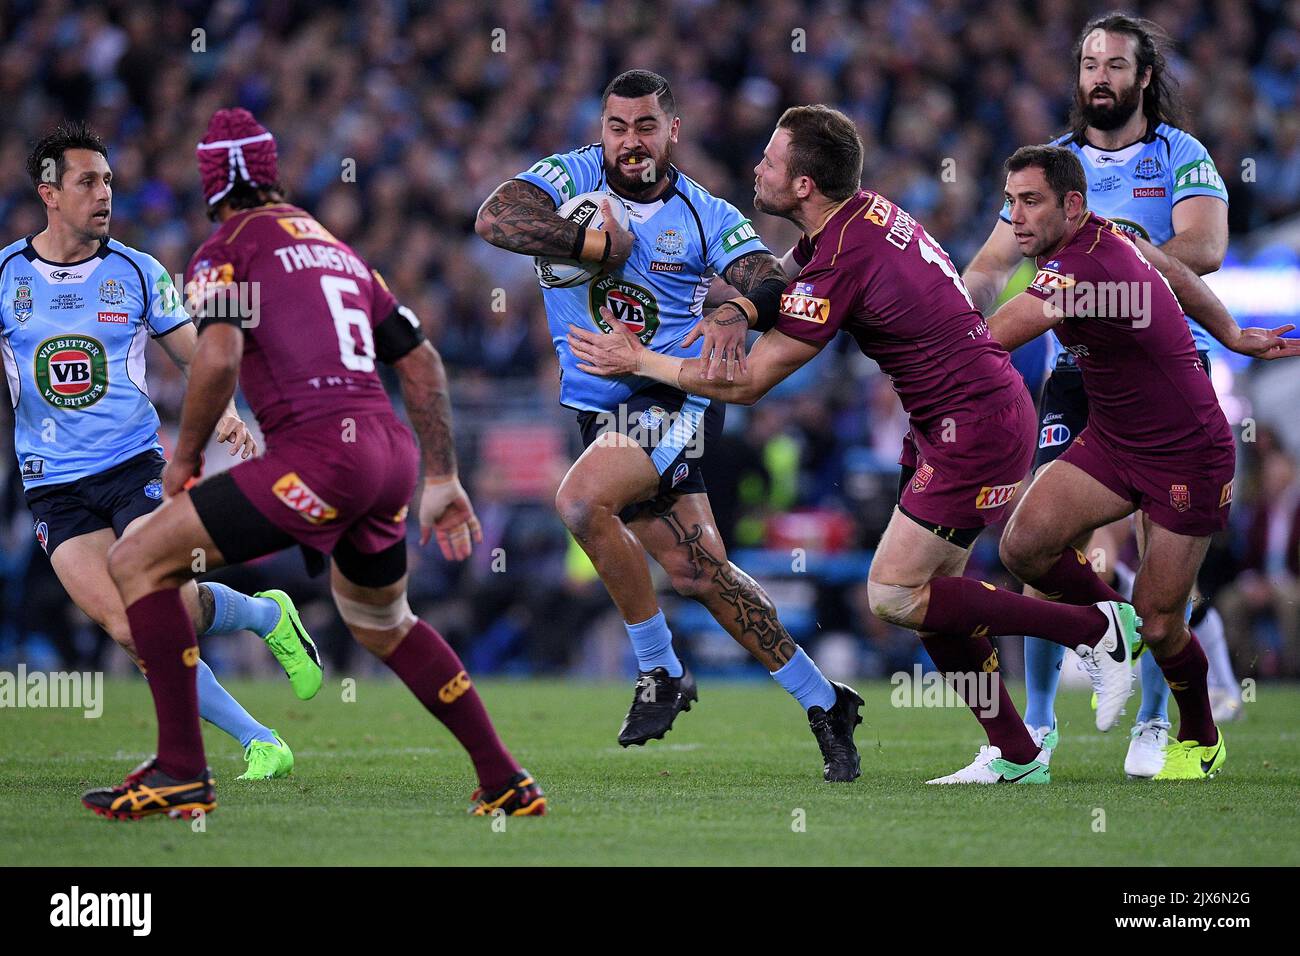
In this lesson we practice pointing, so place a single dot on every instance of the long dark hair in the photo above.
(1161, 100)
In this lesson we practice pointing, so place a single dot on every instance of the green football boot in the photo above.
(1188, 760)
(266, 761)
(294, 648)
(991, 767)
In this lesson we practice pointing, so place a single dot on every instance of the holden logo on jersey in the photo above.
(632, 305)
(23, 303)
(113, 318)
(305, 227)
(1053, 435)
(1180, 497)
(995, 496)
(1149, 192)
(112, 292)
(800, 305)
(71, 371)
(293, 491)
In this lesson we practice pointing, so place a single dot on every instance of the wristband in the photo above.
(746, 307)
(595, 246)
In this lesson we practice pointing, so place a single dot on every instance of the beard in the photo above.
(1108, 115)
(634, 184)
(779, 205)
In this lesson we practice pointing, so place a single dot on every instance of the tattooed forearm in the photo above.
(520, 217)
(736, 599)
(428, 405)
(748, 271)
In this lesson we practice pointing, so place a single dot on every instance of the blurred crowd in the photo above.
(394, 120)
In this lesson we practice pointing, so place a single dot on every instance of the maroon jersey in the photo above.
(1148, 393)
(874, 272)
(309, 346)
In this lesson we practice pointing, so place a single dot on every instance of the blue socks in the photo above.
(653, 643)
(1042, 674)
(218, 708)
(805, 683)
(233, 611)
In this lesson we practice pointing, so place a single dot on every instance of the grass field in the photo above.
(377, 782)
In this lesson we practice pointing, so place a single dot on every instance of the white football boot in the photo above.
(1046, 738)
(1146, 748)
(989, 767)
(1225, 705)
(1109, 665)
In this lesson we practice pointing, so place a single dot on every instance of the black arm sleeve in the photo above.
(397, 335)
(767, 300)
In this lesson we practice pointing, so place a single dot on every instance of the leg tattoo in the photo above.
(737, 601)
(207, 609)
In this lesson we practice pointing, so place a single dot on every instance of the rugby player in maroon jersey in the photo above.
(867, 267)
(337, 476)
(1156, 440)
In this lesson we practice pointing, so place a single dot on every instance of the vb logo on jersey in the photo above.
(632, 305)
(71, 371)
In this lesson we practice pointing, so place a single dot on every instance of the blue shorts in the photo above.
(678, 431)
(110, 499)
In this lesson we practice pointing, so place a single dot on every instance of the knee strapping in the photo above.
(375, 617)
(895, 603)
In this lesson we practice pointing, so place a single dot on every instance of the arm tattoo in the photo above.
(521, 218)
(747, 272)
(750, 615)
(428, 406)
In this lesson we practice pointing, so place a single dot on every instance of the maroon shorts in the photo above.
(1187, 493)
(965, 476)
(336, 479)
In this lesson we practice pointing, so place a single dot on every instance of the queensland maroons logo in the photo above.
(632, 305)
(71, 371)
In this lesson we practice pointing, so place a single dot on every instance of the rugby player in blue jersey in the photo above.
(76, 311)
(1158, 183)
(640, 484)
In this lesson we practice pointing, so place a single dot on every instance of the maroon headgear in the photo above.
(236, 146)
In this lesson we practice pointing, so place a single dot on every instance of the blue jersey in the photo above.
(73, 338)
(1138, 186)
(683, 239)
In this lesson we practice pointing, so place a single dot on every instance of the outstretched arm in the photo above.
(759, 279)
(774, 357)
(1199, 301)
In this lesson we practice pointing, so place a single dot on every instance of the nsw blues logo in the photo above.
(1053, 435)
(23, 303)
(154, 489)
(112, 292)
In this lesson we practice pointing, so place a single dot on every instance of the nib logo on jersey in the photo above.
(71, 371)
(632, 305)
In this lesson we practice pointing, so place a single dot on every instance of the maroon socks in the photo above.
(992, 706)
(1185, 673)
(1072, 580)
(164, 639)
(430, 668)
(964, 606)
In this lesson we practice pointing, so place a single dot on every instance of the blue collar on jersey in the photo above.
(31, 255)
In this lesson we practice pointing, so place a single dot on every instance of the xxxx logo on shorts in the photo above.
(995, 496)
(293, 491)
(1180, 497)
(71, 371)
(632, 305)
(922, 477)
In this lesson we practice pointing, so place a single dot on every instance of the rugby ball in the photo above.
(557, 273)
